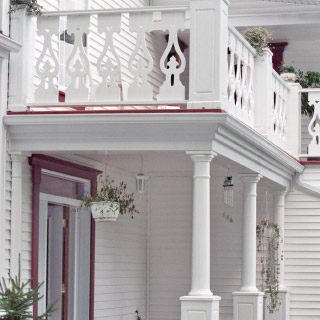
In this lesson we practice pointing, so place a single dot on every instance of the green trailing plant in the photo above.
(287, 68)
(308, 79)
(112, 193)
(32, 6)
(268, 239)
(258, 38)
(17, 299)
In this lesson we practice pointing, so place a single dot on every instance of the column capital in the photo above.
(279, 191)
(18, 156)
(201, 156)
(250, 177)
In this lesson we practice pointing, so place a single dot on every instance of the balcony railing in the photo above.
(124, 59)
(310, 127)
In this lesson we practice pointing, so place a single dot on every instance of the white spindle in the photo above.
(240, 77)
(47, 66)
(108, 89)
(140, 67)
(172, 88)
(78, 62)
(314, 127)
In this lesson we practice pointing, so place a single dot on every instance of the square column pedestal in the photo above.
(284, 310)
(247, 305)
(200, 307)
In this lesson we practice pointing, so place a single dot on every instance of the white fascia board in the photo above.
(8, 45)
(273, 17)
(153, 132)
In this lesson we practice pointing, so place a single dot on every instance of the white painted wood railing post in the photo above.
(16, 211)
(263, 93)
(248, 301)
(21, 69)
(200, 304)
(284, 295)
(293, 143)
(208, 54)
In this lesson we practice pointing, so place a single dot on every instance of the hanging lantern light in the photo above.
(141, 183)
(228, 191)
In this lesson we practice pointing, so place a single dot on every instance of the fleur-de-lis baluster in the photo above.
(314, 127)
(47, 66)
(108, 89)
(172, 88)
(140, 89)
(78, 63)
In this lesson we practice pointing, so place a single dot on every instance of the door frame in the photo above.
(39, 164)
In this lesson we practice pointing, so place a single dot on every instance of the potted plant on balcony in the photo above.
(288, 73)
(258, 38)
(32, 7)
(110, 201)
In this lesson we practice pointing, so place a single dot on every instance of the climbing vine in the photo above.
(268, 239)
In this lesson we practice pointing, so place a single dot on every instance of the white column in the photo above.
(278, 204)
(200, 304)
(284, 295)
(21, 68)
(16, 211)
(263, 93)
(208, 54)
(248, 301)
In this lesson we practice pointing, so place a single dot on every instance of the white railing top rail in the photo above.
(310, 90)
(116, 11)
(240, 37)
(278, 78)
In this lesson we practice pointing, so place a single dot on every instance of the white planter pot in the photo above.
(105, 211)
(288, 76)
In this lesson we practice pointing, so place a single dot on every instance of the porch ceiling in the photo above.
(98, 133)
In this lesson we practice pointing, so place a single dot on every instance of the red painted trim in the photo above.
(311, 163)
(38, 162)
(120, 111)
(36, 180)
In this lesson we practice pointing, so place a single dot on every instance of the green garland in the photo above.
(268, 236)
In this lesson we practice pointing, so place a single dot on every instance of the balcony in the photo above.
(151, 59)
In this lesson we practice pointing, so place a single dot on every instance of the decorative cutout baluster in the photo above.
(238, 80)
(140, 89)
(78, 62)
(244, 86)
(314, 126)
(232, 75)
(108, 89)
(172, 88)
(250, 90)
(47, 66)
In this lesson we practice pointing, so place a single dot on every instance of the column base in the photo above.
(284, 310)
(247, 305)
(200, 307)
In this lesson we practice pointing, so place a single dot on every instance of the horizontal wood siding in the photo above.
(302, 253)
(120, 263)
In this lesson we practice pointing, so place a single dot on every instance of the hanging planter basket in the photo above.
(105, 210)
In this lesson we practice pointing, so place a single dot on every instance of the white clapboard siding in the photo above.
(302, 253)
(8, 215)
(121, 262)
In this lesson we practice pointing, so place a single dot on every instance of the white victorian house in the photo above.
(170, 89)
